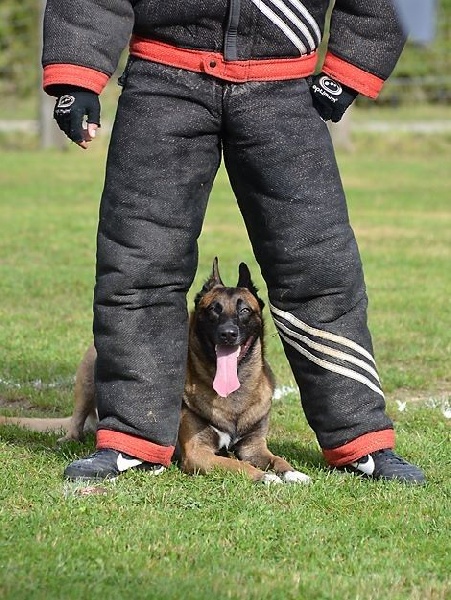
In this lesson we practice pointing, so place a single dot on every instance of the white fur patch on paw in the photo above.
(295, 477)
(270, 478)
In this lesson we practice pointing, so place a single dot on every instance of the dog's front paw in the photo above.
(64, 439)
(70, 437)
(295, 477)
(270, 478)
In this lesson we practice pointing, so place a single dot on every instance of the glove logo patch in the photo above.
(65, 101)
(331, 86)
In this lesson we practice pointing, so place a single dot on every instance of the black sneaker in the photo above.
(385, 464)
(107, 464)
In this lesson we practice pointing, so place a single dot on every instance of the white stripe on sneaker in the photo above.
(367, 467)
(123, 464)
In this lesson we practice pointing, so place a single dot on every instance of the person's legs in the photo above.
(163, 156)
(281, 165)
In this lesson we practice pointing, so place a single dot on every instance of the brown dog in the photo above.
(229, 385)
(228, 389)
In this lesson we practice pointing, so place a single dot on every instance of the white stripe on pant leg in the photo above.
(333, 367)
(326, 335)
(327, 349)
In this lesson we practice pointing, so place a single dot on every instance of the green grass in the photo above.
(220, 536)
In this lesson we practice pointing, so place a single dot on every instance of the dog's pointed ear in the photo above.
(244, 277)
(213, 281)
(215, 276)
(245, 281)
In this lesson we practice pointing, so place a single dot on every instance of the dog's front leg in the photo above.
(85, 412)
(255, 451)
(286, 471)
(203, 460)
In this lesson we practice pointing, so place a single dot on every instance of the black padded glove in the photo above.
(72, 105)
(331, 98)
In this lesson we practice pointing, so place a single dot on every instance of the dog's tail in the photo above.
(37, 424)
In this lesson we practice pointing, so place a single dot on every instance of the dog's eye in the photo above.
(245, 310)
(215, 309)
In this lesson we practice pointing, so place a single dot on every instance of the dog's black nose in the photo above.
(228, 334)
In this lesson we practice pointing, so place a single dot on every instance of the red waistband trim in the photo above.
(361, 446)
(213, 63)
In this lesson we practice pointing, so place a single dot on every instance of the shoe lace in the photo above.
(100, 452)
(391, 456)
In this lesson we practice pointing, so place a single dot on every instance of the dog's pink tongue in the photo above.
(226, 378)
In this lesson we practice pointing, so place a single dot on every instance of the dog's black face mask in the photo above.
(228, 321)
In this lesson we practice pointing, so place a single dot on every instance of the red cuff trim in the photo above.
(63, 74)
(213, 63)
(363, 82)
(365, 444)
(135, 446)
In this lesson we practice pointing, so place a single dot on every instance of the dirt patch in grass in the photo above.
(22, 406)
(439, 393)
(16, 403)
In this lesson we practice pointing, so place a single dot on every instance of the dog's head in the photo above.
(228, 322)
(228, 316)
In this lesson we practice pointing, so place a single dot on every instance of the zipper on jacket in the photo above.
(230, 39)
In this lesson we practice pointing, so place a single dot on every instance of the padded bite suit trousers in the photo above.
(171, 130)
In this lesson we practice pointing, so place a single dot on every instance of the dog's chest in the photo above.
(225, 440)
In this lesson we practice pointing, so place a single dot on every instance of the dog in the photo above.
(229, 385)
(228, 389)
(84, 418)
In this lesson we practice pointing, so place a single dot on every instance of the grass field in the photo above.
(220, 536)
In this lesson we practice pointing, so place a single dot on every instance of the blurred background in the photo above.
(420, 85)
